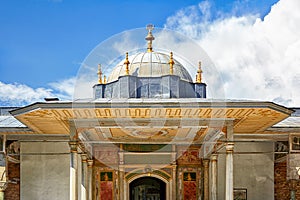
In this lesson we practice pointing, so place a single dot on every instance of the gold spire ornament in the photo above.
(149, 37)
(171, 62)
(126, 63)
(199, 74)
(99, 74)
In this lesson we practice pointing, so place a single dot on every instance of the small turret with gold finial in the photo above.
(171, 62)
(199, 73)
(149, 37)
(99, 74)
(126, 63)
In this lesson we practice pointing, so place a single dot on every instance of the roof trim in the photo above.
(133, 103)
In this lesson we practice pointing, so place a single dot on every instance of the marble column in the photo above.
(214, 178)
(84, 183)
(90, 179)
(206, 179)
(73, 170)
(2, 189)
(229, 163)
(122, 193)
(229, 171)
(174, 172)
(174, 180)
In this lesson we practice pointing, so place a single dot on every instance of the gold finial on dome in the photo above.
(126, 63)
(199, 74)
(171, 62)
(149, 37)
(99, 74)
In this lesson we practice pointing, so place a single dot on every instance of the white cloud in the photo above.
(19, 94)
(258, 59)
(65, 88)
(16, 94)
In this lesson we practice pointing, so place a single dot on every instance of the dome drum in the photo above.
(168, 86)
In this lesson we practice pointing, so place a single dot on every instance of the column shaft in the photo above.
(174, 181)
(2, 190)
(1, 195)
(3, 185)
(229, 171)
(84, 179)
(121, 183)
(90, 180)
(73, 171)
(206, 179)
(214, 179)
(121, 174)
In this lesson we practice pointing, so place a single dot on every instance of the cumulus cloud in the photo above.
(257, 58)
(16, 94)
(64, 88)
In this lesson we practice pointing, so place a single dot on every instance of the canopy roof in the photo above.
(150, 120)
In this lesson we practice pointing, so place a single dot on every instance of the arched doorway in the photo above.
(147, 188)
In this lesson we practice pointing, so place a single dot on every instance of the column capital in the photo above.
(229, 147)
(206, 163)
(214, 157)
(90, 162)
(73, 146)
(84, 157)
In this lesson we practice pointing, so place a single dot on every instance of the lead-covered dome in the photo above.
(149, 74)
(149, 64)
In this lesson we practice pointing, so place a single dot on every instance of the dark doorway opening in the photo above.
(147, 188)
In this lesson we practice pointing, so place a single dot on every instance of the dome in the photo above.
(149, 64)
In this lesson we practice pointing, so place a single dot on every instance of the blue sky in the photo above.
(44, 41)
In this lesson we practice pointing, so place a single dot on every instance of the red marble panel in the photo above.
(106, 190)
(189, 190)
